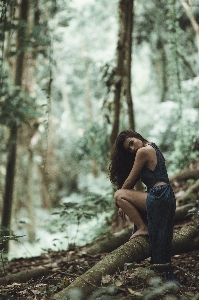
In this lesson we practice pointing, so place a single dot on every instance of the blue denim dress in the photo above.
(161, 205)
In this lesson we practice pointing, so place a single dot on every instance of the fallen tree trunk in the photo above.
(115, 240)
(107, 244)
(189, 192)
(24, 276)
(181, 212)
(110, 242)
(185, 175)
(135, 250)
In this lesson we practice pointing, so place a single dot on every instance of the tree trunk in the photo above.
(30, 206)
(110, 242)
(122, 79)
(163, 77)
(135, 250)
(13, 7)
(192, 20)
(87, 84)
(116, 239)
(185, 175)
(12, 153)
(21, 36)
(9, 186)
(24, 276)
(188, 195)
(128, 61)
(181, 212)
(119, 72)
(45, 194)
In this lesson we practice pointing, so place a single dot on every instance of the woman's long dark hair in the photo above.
(122, 160)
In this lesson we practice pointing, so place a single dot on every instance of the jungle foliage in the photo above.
(58, 63)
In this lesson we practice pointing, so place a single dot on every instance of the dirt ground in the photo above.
(136, 281)
(131, 283)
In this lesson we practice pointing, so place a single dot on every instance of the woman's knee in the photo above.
(118, 196)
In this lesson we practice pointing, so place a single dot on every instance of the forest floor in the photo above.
(65, 266)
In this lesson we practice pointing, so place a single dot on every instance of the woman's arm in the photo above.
(142, 157)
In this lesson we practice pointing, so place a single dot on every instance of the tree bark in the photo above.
(87, 84)
(192, 20)
(122, 79)
(163, 71)
(188, 195)
(185, 175)
(23, 17)
(110, 242)
(24, 276)
(30, 206)
(135, 250)
(181, 212)
(119, 72)
(13, 8)
(12, 153)
(128, 61)
(115, 240)
(9, 186)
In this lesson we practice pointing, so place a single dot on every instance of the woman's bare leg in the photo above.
(131, 202)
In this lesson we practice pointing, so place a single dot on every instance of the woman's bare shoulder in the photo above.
(143, 152)
(148, 150)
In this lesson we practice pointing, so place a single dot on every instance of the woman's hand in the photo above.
(121, 213)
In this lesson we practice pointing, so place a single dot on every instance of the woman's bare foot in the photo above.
(143, 231)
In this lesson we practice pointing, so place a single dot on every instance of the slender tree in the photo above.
(128, 61)
(119, 72)
(192, 20)
(122, 80)
(12, 151)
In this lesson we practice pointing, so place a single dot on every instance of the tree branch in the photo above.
(192, 20)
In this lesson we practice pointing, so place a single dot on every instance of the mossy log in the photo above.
(188, 195)
(110, 242)
(185, 240)
(115, 240)
(181, 212)
(135, 250)
(24, 276)
(185, 175)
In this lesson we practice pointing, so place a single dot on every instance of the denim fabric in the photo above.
(149, 177)
(161, 206)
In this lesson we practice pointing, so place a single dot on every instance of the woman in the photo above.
(152, 212)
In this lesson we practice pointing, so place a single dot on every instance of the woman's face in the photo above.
(132, 144)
